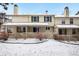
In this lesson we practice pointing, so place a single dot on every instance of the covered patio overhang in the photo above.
(29, 32)
(25, 24)
(67, 26)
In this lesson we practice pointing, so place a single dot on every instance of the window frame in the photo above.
(34, 18)
(73, 31)
(21, 29)
(71, 20)
(62, 31)
(47, 28)
(35, 29)
(63, 21)
(47, 18)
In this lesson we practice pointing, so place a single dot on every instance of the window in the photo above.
(21, 29)
(35, 29)
(65, 31)
(47, 19)
(73, 31)
(63, 21)
(9, 30)
(8, 19)
(35, 18)
(62, 31)
(78, 30)
(47, 28)
(71, 20)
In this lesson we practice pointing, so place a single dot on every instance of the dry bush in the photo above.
(55, 37)
(61, 37)
(58, 37)
(40, 36)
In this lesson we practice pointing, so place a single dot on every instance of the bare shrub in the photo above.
(58, 37)
(40, 36)
(61, 37)
(55, 37)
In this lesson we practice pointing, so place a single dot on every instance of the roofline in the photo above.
(32, 15)
(61, 16)
(66, 17)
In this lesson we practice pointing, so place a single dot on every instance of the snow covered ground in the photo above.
(48, 48)
(70, 42)
(24, 41)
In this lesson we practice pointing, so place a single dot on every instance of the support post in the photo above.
(26, 32)
(5, 28)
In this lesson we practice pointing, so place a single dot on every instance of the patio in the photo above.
(66, 37)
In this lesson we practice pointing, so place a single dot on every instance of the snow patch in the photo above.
(48, 48)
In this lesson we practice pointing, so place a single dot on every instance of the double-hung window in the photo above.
(47, 28)
(21, 29)
(71, 20)
(63, 21)
(47, 19)
(35, 18)
(73, 31)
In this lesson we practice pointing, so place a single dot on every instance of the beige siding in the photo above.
(55, 20)
(27, 19)
(58, 20)
(41, 18)
(20, 19)
(76, 20)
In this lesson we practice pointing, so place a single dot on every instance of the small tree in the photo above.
(5, 7)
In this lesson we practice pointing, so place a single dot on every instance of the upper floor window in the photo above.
(63, 21)
(71, 20)
(35, 18)
(8, 19)
(47, 19)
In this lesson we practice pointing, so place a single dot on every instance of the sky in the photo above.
(40, 8)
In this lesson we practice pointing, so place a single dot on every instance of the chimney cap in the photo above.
(16, 5)
(46, 11)
(66, 7)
